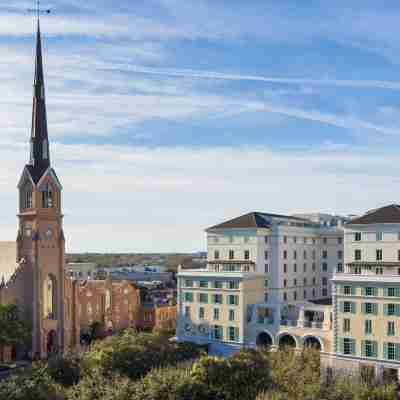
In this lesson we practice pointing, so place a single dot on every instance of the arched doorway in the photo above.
(312, 342)
(287, 341)
(52, 346)
(264, 339)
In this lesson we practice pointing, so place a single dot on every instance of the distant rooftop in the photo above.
(385, 215)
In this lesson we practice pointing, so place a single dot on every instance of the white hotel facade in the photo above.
(300, 280)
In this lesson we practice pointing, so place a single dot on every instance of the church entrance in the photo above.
(52, 343)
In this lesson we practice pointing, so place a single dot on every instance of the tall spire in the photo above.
(39, 151)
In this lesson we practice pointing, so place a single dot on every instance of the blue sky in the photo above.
(169, 116)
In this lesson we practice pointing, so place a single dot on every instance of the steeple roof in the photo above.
(39, 143)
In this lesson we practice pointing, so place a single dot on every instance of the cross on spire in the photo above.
(38, 10)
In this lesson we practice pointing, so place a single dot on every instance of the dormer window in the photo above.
(47, 197)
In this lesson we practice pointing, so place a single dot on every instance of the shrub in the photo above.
(64, 370)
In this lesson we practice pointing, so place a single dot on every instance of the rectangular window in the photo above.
(324, 254)
(368, 327)
(391, 292)
(391, 351)
(339, 267)
(294, 239)
(216, 255)
(294, 268)
(348, 307)
(233, 334)
(188, 297)
(398, 255)
(266, 255)
(187, 311)
(324, 240)
(217, 298)
(284, 296)
(217, 284)
(314, 266)
(324, 292)
(305, 254)
(304, 267)
(284, 254)
(266, 268)
(188, 283)
(340, 254)
(231, 254)
(294, 254)
(216, 314)
(324, 281)
(233, 300)
(370, 308)
(285, 239)
(294, 282)
(266, 239)
(313, 255)
(340, 240)
(379, 236)
(201, 313)
(233, 284)
(391, 328)
(203, 298)
(370, 291)
(357, 255)
(391, 309)
(324, 267)
(379, 255)
(231, 315)
(247, 255)
(349, 346)
(369, 348)
(203, 284)
(285, 268)
(217, 332)
(348, 290)
(346, 325)
(357, 237)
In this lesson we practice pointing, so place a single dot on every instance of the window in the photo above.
(231, 254)
(294, 239)
(233, 334)
(348, 307)
(369, 348)
(266, 283)
(313, 292)
(233, 284)
(370, 291)
(391, 328)
(27, 198)
(398, 255)
(314, 266)
(266, 268)
(340, 240)
(217, 332)
(324, 254)
(187, 311)
(357, 255)
(340, 254)
(217, 298)
(285, 239)
(391, 351)
(357, 237)
(231, 315)
(216, 314)
(324, 240)
(203, 284)
(266, 255)
(379, 236)
(203, 298)
(346, 325)
(294, 282)
(47, 197)
(324, 281)
(304, 294)
(370, 308)
(201, 313)
(50, 299)
(324, 292)
(391, 292)
(188, 283)
(304, 267)
(284, 254)
(305, 254)
(284, 268)
(217, 284)
(216, 255)
(305, 281)
(294, 268)
(379, 255)
(313, 240)
(188, 297)
(294, 295)
(266, 239)
(284, 283)
(368, 327)
(314, 281)
(339, 267)
(284, 296)
(348, 290)
(313, 255)
(294, 254)
(391, 309)
(349, 346)
(233, 300)
(247, 255)
(379, 271)
(324, 267)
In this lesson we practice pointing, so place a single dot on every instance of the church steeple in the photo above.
(39, 143)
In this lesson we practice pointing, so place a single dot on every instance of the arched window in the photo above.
(26, 196)
(50, 297)
(108, 300)
(47, 196)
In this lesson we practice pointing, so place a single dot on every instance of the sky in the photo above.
(169, 116)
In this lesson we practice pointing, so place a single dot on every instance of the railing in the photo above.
(286, 322)
(265, 320)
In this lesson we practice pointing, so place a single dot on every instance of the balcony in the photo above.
(231, 266)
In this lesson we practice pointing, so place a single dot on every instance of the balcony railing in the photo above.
(231, 266)
(265, 320)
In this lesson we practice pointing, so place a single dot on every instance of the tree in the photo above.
(13, 330)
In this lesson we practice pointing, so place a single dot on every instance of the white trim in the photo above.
(307, 336)
(284, 333)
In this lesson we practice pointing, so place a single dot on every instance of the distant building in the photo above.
(82, 270)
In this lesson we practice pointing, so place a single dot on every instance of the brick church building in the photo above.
(32, 269)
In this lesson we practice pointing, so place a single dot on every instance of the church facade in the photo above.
(48, 300)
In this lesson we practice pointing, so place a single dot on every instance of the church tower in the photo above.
(40, 242)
